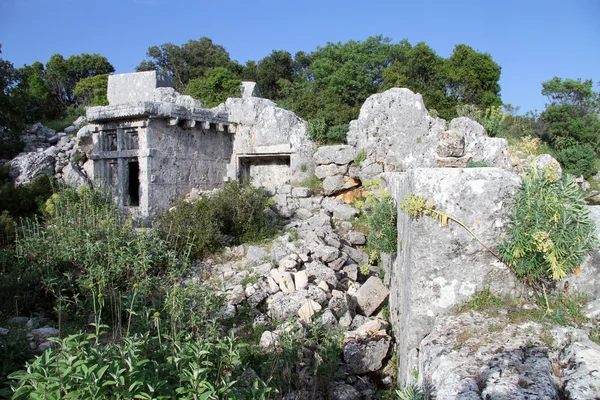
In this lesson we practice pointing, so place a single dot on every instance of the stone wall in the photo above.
(438, 267)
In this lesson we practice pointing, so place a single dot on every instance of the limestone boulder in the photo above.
(361, 357)
(26, 166)
(451, 144)
(371, 296)
(492, 151)
(439, 266)
(395, 130)
(337, 154)
(72, 176)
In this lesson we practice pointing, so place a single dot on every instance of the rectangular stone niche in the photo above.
(264, 170)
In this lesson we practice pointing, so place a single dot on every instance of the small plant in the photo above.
(477, 164)
(492, 120)
(365, 269)
(360, 157)
(481, 301)
(251, 279)
(411, 392)
(313, 183)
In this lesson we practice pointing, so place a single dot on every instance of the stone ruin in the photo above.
(152, 146)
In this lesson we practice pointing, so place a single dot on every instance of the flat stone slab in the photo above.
(370, 296)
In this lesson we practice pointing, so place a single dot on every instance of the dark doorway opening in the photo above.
(134, 183)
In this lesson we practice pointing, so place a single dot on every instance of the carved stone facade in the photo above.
(151, 145)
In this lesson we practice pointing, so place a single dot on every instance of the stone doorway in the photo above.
(265, 170)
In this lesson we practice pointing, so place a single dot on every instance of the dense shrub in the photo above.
(237, 212)
(578, 160)
(550, 231)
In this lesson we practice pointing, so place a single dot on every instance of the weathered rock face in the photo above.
(270, 142)
(26, 166)
(475, 356)
(396, 131)
(437, 266)
(492, 151)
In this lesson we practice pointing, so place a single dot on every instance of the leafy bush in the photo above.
(214, 87)
(201, 228)
(578, 160)
(188, 356)
(492, 120)
(337, 133)
(550, 230)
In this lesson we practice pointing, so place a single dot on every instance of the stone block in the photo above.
(370, 296)
(337, 154)
(133, 87)
(308, 309)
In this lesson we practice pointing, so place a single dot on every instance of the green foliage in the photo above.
(550, 229)
(189, 61)
(492, 120)
(92, 91)
(380, 215)
(66, 118)
(477, 164)
(578, 160)
(184, 358)
(360, 157)
(480, 301)
(411, 392)
(214, 87)
(200, 228)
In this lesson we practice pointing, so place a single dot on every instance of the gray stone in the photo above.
(72, 176)
(282, 306)
(370, 296)
(356, 238)
(301, 192)
(328, 320)
(337, 184)
(582, 375)
(139, 86)
(326, 253)
(339, 262)
(351, 271)
(492, 151)
(592, 310)
(339, 209)
(249, 89)
(4, 331)
(257, 255)
(342, 391)
(453, 162)
(438, 267)
(451, 144)
(320, 272)
(256, 298)
(268, 340)
(359, 256)
(337, 154)
(395, 130)
(341, 304)
(323, 171)
(236, 295)
(361, 357)
(26, 166)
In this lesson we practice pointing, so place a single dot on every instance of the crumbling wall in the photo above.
(438, 267)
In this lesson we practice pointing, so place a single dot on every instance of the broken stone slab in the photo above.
(281, 306)
(286, 282)
(302, 192)
(236, 295)
(359, 256)
(73, 177)
(451, 144)
(323, 171)
(256, 298)
(351, 271)
(328, 320)
(337, 154)
(335, 184)
(370, 296)
(339, 262)
(339, 209)
(453, 162)
(320, 272)
(326, 253)
(268, 340)
(582, 375)
(308, 309)
(300, 280)
(361, 357)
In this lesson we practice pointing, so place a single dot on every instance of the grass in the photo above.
(313, 183)
(561, 309)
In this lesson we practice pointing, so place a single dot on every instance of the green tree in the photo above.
(62, 75)
(188, 61)
(215, 87)
(12, 106)
(92, 91)
(472, 78)
(420, 69)
(271, 69)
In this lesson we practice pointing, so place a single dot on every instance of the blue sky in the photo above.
(532, 40)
